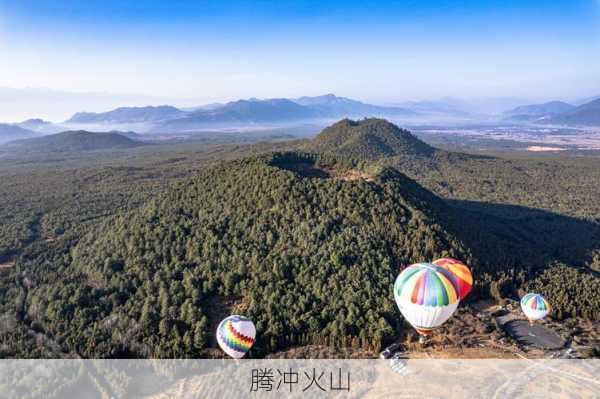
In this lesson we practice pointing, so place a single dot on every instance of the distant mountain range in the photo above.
(239, 113)
(9, 132)
(41, 126)
(537, 111)
(74, 141)
(127, 115)
(557, 113)
(33, 124)
(331, 106)
(587, 114)
(319, 111)
(279, 110)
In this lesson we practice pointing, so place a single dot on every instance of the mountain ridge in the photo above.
(240, 113)
(127, 115)
(330, 105)
(537, 111)
(587, 114)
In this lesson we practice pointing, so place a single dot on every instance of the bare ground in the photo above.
(353, 175)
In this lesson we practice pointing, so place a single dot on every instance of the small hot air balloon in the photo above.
(425, 296)
(534, 306)
(235, 335)
(461, 275)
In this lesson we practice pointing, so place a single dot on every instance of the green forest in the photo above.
(141, 255)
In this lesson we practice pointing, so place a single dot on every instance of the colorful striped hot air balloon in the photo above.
(534, 306)
(460, 275)
(425, 296)
(235, 335)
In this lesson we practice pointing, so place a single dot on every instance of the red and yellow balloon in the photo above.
(460, 274)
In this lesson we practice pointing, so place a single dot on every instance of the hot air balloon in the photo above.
(461, 275)
(425, 296)
(534, 306)
(235, 335)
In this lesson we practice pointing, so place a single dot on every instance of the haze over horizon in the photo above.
(190, 53)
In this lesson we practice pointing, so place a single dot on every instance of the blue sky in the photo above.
(375, 51)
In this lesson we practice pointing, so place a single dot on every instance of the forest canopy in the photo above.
(307, 258)
(306, 244)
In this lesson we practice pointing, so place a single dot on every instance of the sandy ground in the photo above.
(487, 379)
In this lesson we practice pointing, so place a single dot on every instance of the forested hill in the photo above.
(307, 246)
(369, 139)
(79, 140)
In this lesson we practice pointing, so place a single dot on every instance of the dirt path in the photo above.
(488, 352)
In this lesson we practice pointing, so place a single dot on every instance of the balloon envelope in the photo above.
(534, 306)
(235, 335)
(461, 275)
(425, 296)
